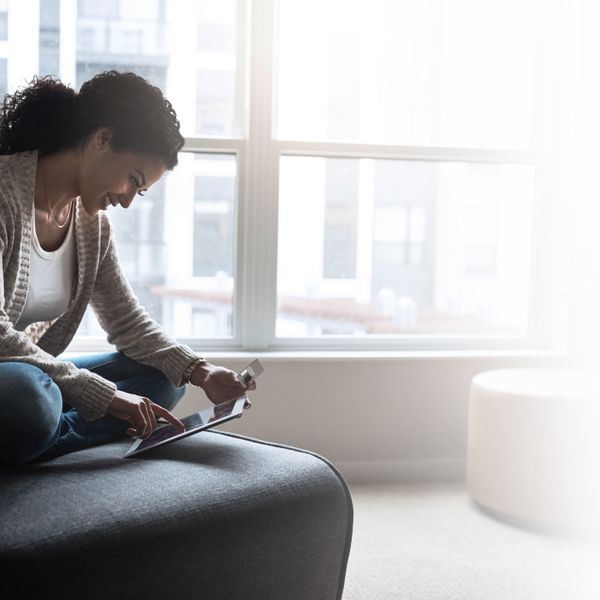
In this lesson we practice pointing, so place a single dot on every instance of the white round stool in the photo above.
(534, 446)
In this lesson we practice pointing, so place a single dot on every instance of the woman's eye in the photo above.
(134, 182)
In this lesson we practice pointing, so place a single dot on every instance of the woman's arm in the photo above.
(129, 326)
(89, 393)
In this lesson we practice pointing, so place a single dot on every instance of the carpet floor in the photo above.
(430, 542)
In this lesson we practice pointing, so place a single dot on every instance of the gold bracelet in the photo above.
(187, 375)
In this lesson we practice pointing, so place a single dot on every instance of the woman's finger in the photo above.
(141, 420)
(136, 430)
(244, 384)
(165, 414)
(150, 418)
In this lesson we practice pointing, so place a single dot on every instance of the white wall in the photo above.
(376, 419)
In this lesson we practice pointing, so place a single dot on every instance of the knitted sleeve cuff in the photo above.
(176, 362)
(94, 400)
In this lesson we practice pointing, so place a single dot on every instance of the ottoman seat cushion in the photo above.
(213, 516)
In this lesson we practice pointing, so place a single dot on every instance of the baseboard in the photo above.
(398, 471)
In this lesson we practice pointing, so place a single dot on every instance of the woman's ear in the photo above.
(102, 138)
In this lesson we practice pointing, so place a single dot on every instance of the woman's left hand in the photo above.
(219, 384)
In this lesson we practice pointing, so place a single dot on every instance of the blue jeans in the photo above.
(35, 423)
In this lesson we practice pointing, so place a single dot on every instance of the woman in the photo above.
(65, 158)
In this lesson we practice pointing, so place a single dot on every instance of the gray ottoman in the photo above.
(214, 516)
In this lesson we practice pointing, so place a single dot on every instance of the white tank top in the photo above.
(50, 279)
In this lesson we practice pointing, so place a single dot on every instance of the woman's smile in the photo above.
(108, 200)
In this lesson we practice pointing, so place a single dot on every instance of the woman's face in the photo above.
(109, 178)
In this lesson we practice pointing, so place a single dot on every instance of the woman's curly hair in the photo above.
(48, 115)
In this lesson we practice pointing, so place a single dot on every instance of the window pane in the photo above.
(200, 297)
(432, 72)
(439, 248)
(176, 246)
(190, 54)
(3, 20)
(341, 202)
(49, 37)
(3, 52)
(214, 201)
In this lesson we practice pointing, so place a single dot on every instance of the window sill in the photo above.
(378, 355)
(368, 355)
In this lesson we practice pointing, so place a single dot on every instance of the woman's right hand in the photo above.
(140, 412)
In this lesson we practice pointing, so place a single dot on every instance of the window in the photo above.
(177, 243)
(50, 37)
(426, 235)
(3, 50)
(428, 111)
(378, 187)
(3, 20)
(451, 73)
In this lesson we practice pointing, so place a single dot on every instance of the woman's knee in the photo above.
(30, 411)
(27, 387)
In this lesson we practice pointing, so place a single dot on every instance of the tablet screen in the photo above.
(209, 417)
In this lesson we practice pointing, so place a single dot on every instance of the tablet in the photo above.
(205, 419)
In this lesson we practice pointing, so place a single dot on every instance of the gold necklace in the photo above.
(50, 209)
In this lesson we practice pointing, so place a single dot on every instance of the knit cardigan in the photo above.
(99, 282)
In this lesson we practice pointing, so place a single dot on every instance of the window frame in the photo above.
(258, 222)
(256, 215)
